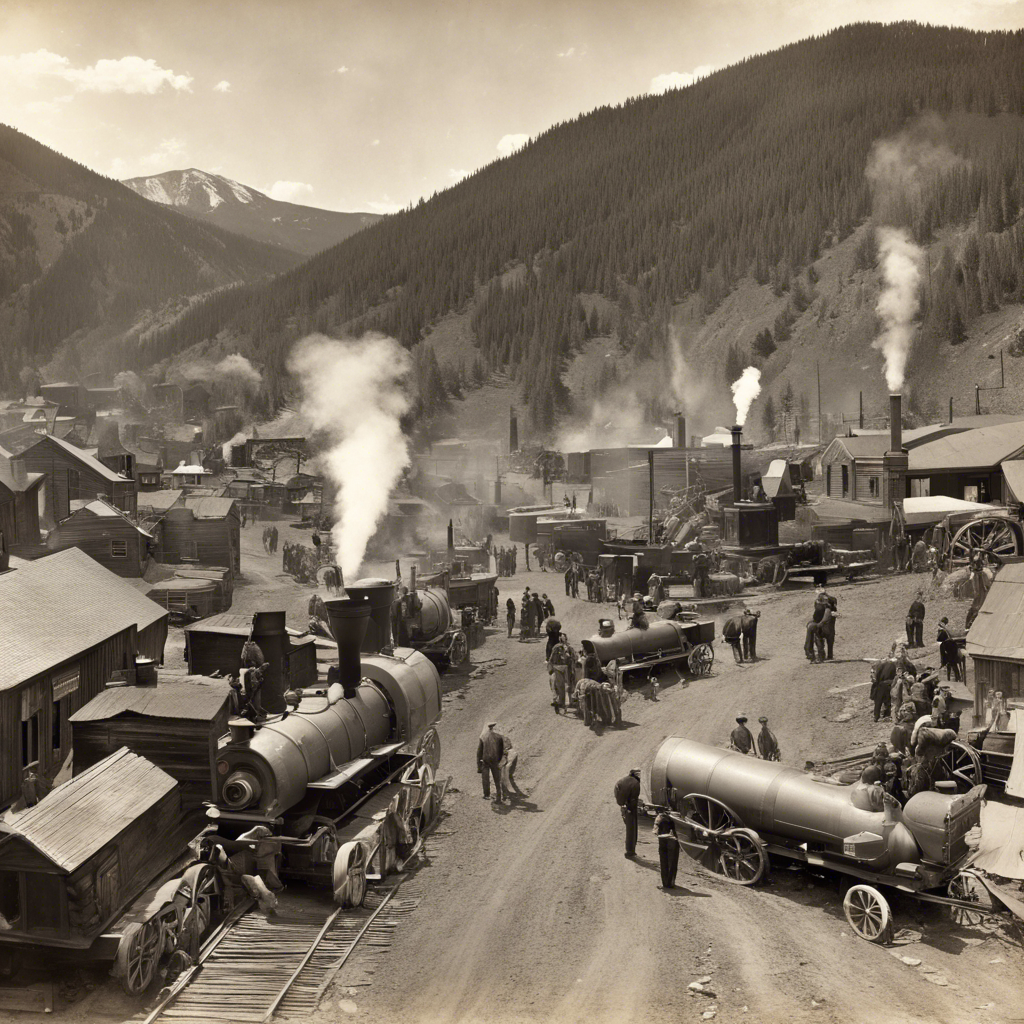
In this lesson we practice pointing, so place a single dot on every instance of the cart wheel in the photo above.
(430, 748)
(701, 659)
(408, 842)
(350, 876)
(966, 886)
(706, 813)
(428, 797)
(204, 891)
(741, 856)
(137, 956)
(458, 653)
(962, 765)
(868, 913)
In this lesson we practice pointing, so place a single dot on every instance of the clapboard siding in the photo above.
(96, 536)
(185, 538)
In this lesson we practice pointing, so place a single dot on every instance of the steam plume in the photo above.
(352, 391)
(744, 391)
(234, 372)
(685, 382)
(898, 303)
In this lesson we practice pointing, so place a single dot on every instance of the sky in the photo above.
(371, 106)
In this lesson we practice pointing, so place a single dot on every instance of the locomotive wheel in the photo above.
(707, 814)
(428, 797)
(702, 657)
(137, 955)
(350, 876)
(868, 913)
(962, 765)
(430, 748)
(205, 896)
(965, 886)
(458, 653)
(741, 856)
(408, 842)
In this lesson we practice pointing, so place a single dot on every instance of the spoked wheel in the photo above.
(137, 955)
(203, 888)
(430, 748)
(962, 765)
(702, 657)
(408, 842)
(868, 913)
(740, 856)
(458, 653)
(966, 886)
(420, 779)
(705, 812)
(350, 876)
(996, 534)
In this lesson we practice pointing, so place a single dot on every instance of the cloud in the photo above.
(125, 74)
(222, 86)
(457, 173)
(342, 70)
(567, 53)
(508, 144)
(290, 191)
(54, 106)
(679, 79)
(383, 206)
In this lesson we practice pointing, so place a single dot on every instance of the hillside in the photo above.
(80, 252)
(214, 199)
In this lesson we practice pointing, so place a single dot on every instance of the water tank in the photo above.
(435, 615)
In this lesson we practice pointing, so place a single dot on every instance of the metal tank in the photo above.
(663, 636)
(379, 595)
(785, 802)
(434, 618)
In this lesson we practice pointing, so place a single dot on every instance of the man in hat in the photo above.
(748, 625)
(915, 621)
(701, 570)
(638, 619)
(490, 750)
(627, 796)
(732, 634)
(767, 744)
(741, 739)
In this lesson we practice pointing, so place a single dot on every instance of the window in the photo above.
(119, 549)
(56, 726)
(846, 481)
(828, 481)
(30, 740)
(873, 488)
(971, 492)
(10, 900)
(74, 483)
(920, 487)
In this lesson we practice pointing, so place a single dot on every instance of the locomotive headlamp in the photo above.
(241, 790)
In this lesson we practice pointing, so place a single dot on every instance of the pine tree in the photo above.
(768, 418)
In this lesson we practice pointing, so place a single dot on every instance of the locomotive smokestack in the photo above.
(379, 595)
(894, 461)
(737, 467)
(451, 542)
(895, 423)
(349, 618)
(268, 633)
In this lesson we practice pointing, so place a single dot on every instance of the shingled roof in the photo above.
(193, 701)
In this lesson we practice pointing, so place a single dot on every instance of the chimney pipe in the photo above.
(737, 469)
(680, 438)
(513, 431)
(379, 595)
(268, 633)
(861, 418)
(895, 423)
(950, 408)
(349, 618)
(451, 542)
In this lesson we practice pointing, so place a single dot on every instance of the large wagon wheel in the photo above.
(701, 658)
(422, 795)
(962, 765)
(201, 889)
(708, 814)
(999, 535)
(740, 856)
(966, 886)
(868, 913)
(430, 748)
(458, 651)
(350, 876)
(138, 953)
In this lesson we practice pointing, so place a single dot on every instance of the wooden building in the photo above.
(71, 865)
(175, 725)
(206, 531)
(965, 465)
(106, 534)
(995, 640)
(19, 505)
(72, 399)
(66, 625)
(72, 474)
(852, 468)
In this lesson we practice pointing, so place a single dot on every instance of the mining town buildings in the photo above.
(202, 530)
(106, 534)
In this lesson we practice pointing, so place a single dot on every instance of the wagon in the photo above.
(640, 653)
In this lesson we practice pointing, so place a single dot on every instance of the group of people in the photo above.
(740, 633)
(505, 559)
(820, 639)
(766, 746)
(270, 539)
(496, 761)
(627, 796)
(534, 609)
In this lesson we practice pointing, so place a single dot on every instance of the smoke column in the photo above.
(898, 303)
(235, 372)
(352, 391)
(686, 386)
(744, 391)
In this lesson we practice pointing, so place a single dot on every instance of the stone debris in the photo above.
(347, 1006)
(911, 961)
(936, 979)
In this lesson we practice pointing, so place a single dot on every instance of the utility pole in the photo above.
(818, 368)
(650, 470)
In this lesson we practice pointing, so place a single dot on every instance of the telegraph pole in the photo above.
(817, 366)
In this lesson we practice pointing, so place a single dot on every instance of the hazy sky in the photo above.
(370, 105)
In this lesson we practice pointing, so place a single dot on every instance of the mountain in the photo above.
(81, 253)
(213, 199)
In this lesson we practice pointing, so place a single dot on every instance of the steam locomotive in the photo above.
(336, 790)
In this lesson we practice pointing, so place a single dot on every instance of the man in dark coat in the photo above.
(627, 796)
(882, 675)
(915, 621)
(510, 615)
(668, 849)
(701, 572)
(569, 573)
(549, 607)
(814, 644)
(732, 634)
(767, 744)
(741, 739)
(748, 625)
(489, 751)
(827, 628)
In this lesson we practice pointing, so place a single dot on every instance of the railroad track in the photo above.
(256, 967)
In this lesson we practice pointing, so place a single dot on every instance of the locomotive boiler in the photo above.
(338, 788)
(664, 642)
(736, 811)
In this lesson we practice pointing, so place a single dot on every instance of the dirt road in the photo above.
(533, 914)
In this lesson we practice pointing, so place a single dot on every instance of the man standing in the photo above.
(814, 645)
(526, 550)
(748, 625)
(569, 573)
(827, 628)
(701, 571)
(732, 634)
(560, 672)
(549, 607)
(627, 796)
(668, 849)
(489, 753)
(915, 622)
(741, 739)
(510, 616)
(767, 744)
(882, 674)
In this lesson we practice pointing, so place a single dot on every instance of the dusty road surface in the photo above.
(531, 912)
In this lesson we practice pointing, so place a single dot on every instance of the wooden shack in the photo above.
(66, 625)
(175, 725)
(106, 534)
(70, 865)
(995, 640)
(204, 531)
(19, 505)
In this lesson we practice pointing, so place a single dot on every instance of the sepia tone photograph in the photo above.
(410, 412)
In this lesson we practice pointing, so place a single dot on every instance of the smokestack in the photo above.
(895, 461)
(349, 619)
(895, 423)
(950, 408)
(737, 467)
(379, 595)
(861, 418)
(680, 438)
(451, 542)
(268, 633)
(513, 431)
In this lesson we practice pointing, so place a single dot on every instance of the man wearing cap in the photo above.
(748, 624)
(767, 744)
(639, 617)
(741, 738)
(627, 796)
(489, 753)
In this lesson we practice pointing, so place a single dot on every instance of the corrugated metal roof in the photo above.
(56, 607)
(79, 818)
(193, 701)
(984, 447)
(998, 631)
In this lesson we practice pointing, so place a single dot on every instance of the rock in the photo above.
(929, 970)
(815, 1004)
(695, 986)
(844, 717)
(998, 960)
(705, 979)
(911, 961)
(347, 1006)
(936, 979)
(708, 1014)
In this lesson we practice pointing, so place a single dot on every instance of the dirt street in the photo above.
(532, 913)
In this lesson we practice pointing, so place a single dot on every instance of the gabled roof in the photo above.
(195, 699)
(80, 455)
(1013, 474)
(16, 478)
(160, 501)
(838, 510)
(94, 604)
(100, 509)
(19, 438)
(870, 446)
(210, 508)
(80, 817)
(983, 448)
(998, 631)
